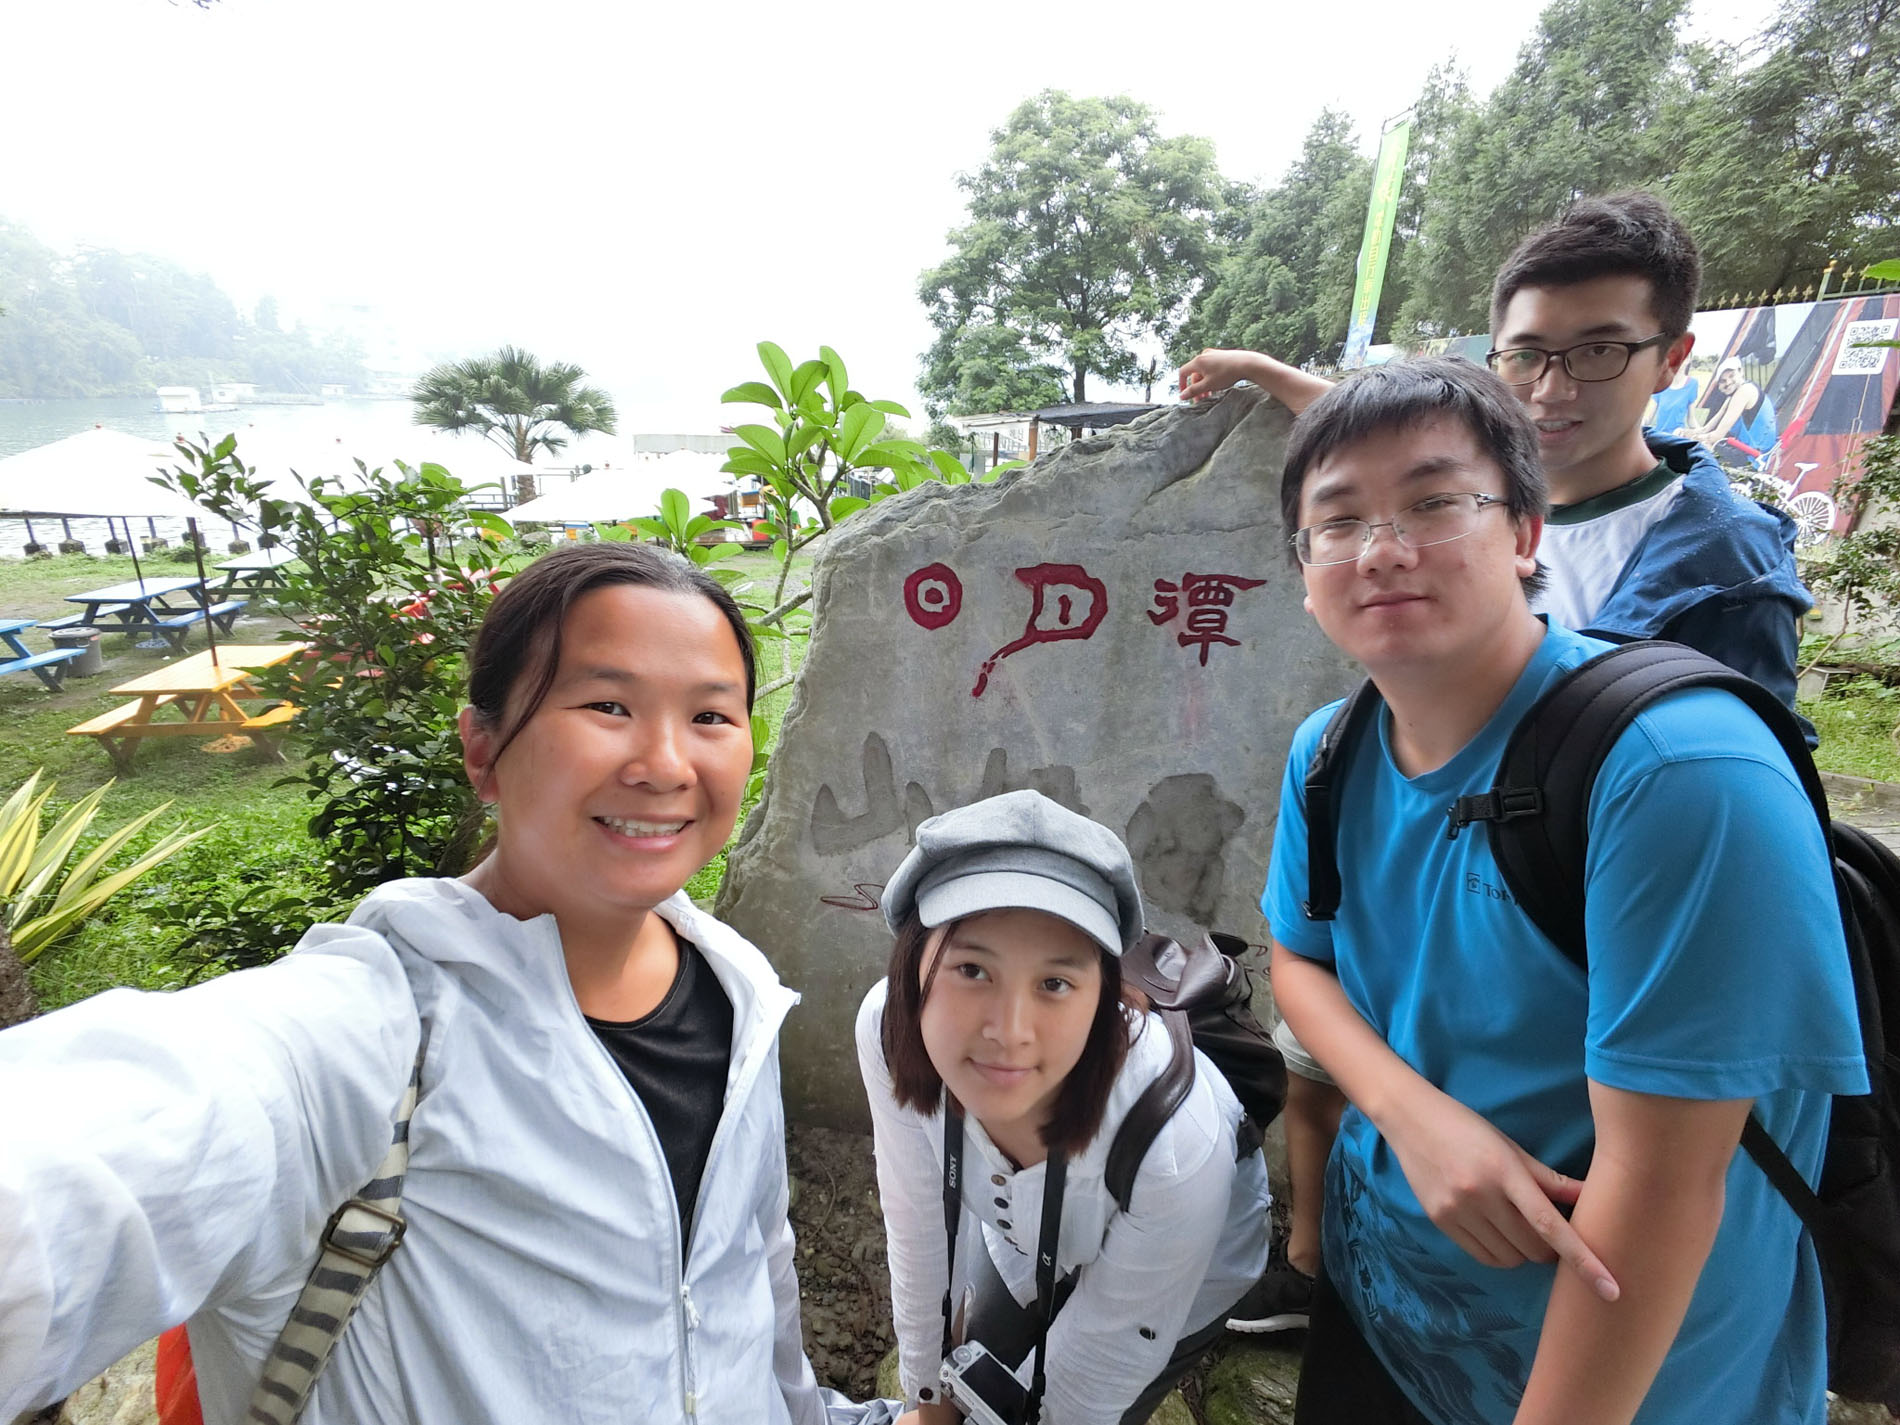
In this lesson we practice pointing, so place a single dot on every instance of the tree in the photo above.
(516, 402)
(1285, 286)
(1579, 114)
(981, 367)
(1790, 147)
(1444, 106)
(1088, 231)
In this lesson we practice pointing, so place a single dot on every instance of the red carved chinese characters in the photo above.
(1068, 602)
(933, 596)
(1208, 598)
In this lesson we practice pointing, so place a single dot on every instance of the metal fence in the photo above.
(1837, 280)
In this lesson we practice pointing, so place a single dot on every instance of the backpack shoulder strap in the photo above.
(1325, 786)
(1152, 1110)
(361, 1235)
(1538, 810)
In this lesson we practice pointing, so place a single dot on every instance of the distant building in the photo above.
(232, 392)
(179, 400)
(333, 389)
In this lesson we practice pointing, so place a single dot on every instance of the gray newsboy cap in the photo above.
(1019, 851)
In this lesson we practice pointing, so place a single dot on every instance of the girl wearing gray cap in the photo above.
(1000, 1055)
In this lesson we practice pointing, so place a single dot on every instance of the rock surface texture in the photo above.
(1117, 626)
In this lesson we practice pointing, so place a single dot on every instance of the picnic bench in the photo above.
(149, 606)
(255, 575)
(205, 688)
(48, 667)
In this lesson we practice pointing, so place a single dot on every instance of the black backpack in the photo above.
(1537, 819)
(1205, 1006)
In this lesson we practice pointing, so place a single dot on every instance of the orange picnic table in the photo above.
(206, 689)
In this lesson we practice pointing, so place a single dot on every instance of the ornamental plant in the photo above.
(46, 888)
(827, 454)
(394, 572)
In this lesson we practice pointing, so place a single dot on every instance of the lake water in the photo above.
(379, 431)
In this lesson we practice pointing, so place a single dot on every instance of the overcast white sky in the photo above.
(645, 190)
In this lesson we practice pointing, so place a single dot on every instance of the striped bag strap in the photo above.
(360, 1236)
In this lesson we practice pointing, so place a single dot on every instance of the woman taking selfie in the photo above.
(595, 1195)
(1000, 1056)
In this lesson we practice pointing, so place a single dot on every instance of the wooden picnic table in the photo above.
(206, 689)
(49, 668)
(153, 606)
(249, 575)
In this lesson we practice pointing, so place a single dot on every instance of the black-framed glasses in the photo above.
(1587, 361)
(1436, 519)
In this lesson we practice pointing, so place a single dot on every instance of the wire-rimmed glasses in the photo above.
(1436, 519)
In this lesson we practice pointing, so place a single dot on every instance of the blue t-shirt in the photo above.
(1717, 971)
(1672, 405)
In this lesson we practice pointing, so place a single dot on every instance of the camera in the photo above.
(983, 1388)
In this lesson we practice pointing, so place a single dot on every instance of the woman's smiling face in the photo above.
(628, 777)
(1007, 1015)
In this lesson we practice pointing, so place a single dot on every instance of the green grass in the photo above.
(1856, 718)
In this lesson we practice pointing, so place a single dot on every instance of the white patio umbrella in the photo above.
(100, 474)
(275, 455)
(612, 493)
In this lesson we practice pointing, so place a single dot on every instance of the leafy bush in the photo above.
(254, 913)
(1862, 570)
(394, 575)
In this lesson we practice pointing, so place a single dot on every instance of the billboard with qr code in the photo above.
(1784, 394)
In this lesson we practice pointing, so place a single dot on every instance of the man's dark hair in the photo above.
(1404, 394)
(1631, 234)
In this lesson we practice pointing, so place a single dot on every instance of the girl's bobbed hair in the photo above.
(519, 643)
(915, 1082)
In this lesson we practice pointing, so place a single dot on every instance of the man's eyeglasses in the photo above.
(1588, 361)
(1436, 519)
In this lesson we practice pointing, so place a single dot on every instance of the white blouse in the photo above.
(1192, 1242)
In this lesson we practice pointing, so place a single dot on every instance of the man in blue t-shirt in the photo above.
(1645, 539)
(1535, 1211)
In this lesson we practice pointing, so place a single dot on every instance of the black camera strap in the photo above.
(1048, 1237)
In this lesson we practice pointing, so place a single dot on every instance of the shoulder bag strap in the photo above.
(360, 1236)
(1048, 1237)
(1325, 787)
(1151, 1111)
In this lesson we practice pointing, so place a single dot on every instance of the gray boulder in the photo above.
(1117, 626)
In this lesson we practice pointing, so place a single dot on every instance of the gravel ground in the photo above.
(842, 1276)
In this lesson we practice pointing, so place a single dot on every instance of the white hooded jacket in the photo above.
(174, 1156)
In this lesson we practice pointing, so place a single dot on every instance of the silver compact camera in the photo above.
(983, 1388)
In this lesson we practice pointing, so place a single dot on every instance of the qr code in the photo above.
(1857, 360)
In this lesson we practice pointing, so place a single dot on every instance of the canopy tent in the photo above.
(697, 474)
(618, 493)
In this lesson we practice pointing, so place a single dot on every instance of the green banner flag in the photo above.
(1376, 246)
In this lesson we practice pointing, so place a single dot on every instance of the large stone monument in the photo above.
(1118, 626)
